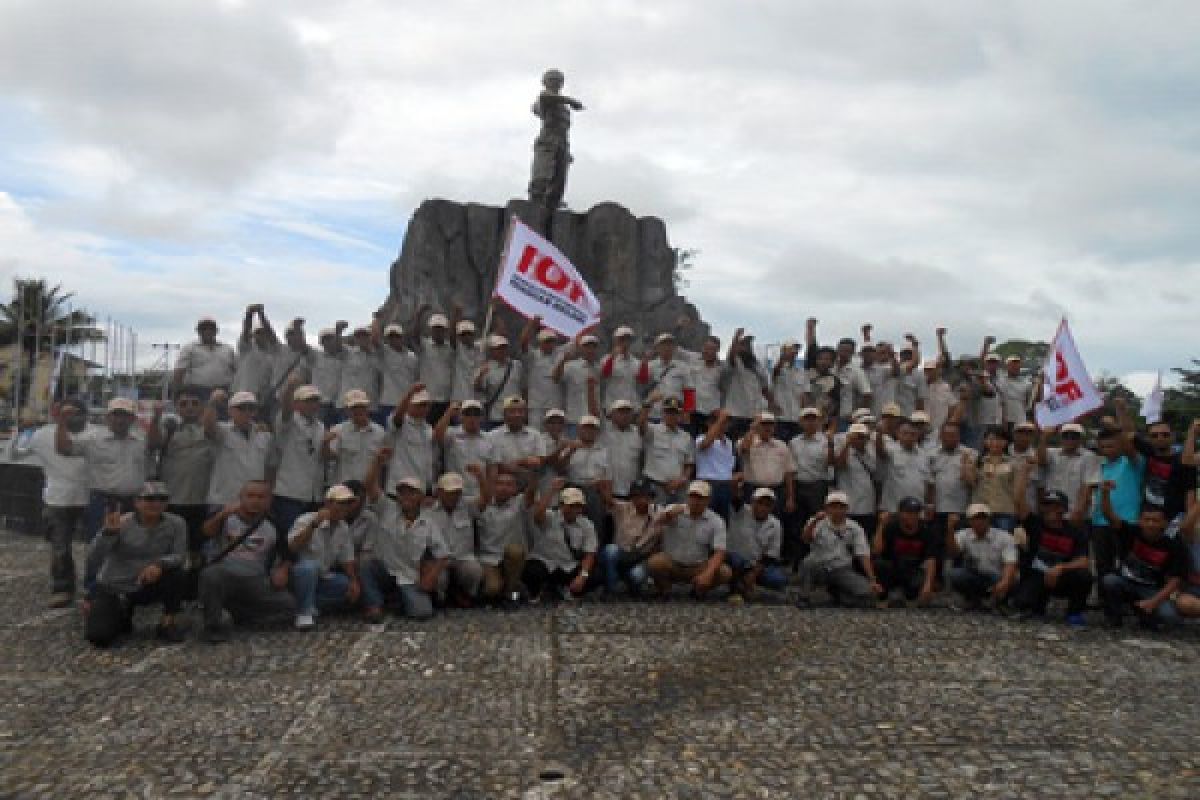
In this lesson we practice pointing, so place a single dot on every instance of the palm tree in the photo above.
(42, 319)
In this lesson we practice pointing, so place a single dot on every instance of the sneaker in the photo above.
(512, 602)
(305, 622)
(169, 632)
(1076, 621)
(60, 600)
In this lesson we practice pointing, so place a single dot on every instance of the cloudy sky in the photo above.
(989, 166)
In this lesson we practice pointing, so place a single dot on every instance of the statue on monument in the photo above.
(551, 149)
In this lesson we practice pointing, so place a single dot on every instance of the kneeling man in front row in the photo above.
(836, 543)
(693, 545)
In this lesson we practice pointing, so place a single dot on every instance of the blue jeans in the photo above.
(619, 565)
(312, 589)
(376, 580)
(971, 583)
(1119, 594)
(772, 576)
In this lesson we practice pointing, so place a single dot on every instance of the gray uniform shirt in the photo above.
(1014, 394)
(187, 464)
(329, 545)
(624, 456)
(667, 452)
(709, 380)
(690, 541)
(327, 376)
(502, 524)
(988, 554)
(950, 492)
(1069, 473)
(575, 376)
(857, 478)
(435, 365)
(753, 539)
(402, 545)
(238, 457)
(300, 471)
(496, 385)
(811, 455)
(250, 557)
(205, 365)
(905, 473)
(397, 372)
(560, 544)
(457, 529)
(354, 449)
(360, 370)
(744, 398)
(254, 368)
(462, 449)
(412, 450)
(466, 364)
(509, 446)
(621, 382)
(788, 387)
(836, 547)
(588, 465)
(544, 393)
(123, 555)
(114, 465)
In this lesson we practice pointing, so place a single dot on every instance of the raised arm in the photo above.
(716, 430)
(810, 343)
(443, 424)
(1189, 444)
(546, 500)
(371, 481)
(208, 420)
(527, 332)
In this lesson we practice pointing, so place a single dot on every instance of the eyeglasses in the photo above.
(155, 498)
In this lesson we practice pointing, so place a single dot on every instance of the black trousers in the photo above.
(537, 577)
(907, 576)
(1032, 593)
(112, 611)
(810, 498)
(1104, 549)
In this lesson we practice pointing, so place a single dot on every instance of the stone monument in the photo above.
(551, 149)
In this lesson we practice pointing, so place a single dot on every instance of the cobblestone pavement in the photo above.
(622, 700)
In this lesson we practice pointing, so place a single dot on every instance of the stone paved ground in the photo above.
(627, 700)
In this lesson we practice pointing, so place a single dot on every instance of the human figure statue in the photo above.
(551, 150)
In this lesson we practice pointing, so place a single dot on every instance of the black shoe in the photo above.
(169, 632)
(804, 604)
(1112, 621)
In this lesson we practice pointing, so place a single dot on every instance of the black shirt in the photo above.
(909, 548)
(1151, 561)
(1054, 546)
(1167, 480)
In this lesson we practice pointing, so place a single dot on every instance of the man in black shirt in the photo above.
(1150, 569)
(1056, 561)
(1170, 482)
(905, 552)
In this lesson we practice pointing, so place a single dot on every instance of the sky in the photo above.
(986, 166)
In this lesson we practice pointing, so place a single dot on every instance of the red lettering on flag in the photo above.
(1064, 384)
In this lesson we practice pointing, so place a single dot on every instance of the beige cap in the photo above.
(420, 397)
(355, 398)
(664, 337)
(464, 326)
(412, 483)
(992, 357)
(810, 412)
(891, 410)
(788, 344)
(361, 329)
(393, 329)
(701, 488)
(572, 497)
(439, 321)
(588, 419)
(858, 427)
(1072, 427)
(450, 482)
(496, 340)
(122, 405)
(545, 335)
(919, 416)
(471, 405)
(859, 413)
(513, 401)
(930, 363)
(338, 492)
(765, 416)
(243, 399)
(590, 338)
(325, 333)
(867, 419)
(555, 413)
(307, 392)
(763, 492)
(978, 509)
(840, 498)
(1025, 425)
(622, 331)
(1013, 360)
(154, 489)
(618, 405)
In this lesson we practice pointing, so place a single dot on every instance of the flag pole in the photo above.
(487, 322)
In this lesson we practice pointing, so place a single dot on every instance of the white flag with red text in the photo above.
(1068, 392)
(536, 280)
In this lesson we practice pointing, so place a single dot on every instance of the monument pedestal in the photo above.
(452, 250)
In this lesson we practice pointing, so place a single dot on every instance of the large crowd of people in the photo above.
(423, 465)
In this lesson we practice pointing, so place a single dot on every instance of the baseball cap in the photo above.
(420, 397)
(671, 404)
(1072, 427)
(664, 337)
(859, 413)
(338, 492)
(243, 399)
(496, 340)
(307, 392)
(464, 326)
(891, 410)
(590, 338)
(555, 413)
(840, 498)
(398, 330)
(153, 489)
(623, 331)
(439, 321)
(1025, 425)
(588, 419)
(700, 488)
(910, 504)
(121, 405)
(620, 404)
(513, 401)
(992, 357)
(858, 427)
(919, 416)
(545, 335)
(572, 497)
(766, 416)
(450, 482)
(1012, 359)
(412, 483)
(810, 412)
(355, 398)
(1056, 496)
(930, 363)
(762, 492)
(471, 405)
(977, 510)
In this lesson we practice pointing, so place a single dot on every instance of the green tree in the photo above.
(40, 318)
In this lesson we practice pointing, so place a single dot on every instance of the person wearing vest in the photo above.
(1056, 563)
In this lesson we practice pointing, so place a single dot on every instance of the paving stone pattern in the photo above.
(614, 699)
